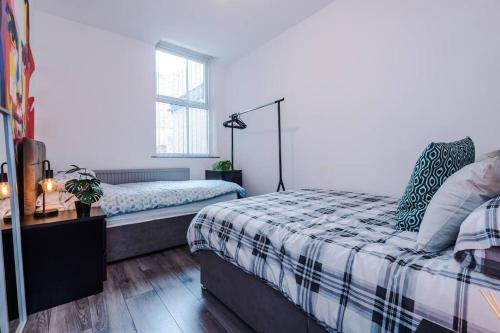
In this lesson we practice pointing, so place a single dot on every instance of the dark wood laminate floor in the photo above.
(155, 293)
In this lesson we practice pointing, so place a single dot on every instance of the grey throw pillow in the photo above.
(460, 194)
(491, 154)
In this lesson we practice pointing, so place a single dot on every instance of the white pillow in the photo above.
(4, 207)
(460, 194)
(60, 200)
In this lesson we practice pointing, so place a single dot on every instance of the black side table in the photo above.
(64, 259)
(233, 176)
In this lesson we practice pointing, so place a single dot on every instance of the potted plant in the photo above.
(224, 165)
(86, 188)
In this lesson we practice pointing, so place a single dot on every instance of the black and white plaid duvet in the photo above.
(337, 256)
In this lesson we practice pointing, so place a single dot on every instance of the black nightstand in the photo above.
(64, 259)
(234, 176)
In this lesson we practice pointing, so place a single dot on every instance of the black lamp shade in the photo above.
(3, 175)
(49, 174)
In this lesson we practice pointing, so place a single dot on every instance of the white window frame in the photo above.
(206, 61)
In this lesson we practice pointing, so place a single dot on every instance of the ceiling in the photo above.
(225, 29)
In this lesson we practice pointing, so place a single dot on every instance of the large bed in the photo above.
(148, 209)
(331, 261)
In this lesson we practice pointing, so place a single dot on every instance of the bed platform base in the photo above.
(131, 240)
(136, 239)
(260, 306)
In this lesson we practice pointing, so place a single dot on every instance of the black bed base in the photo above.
(136, 239)
(260, 306)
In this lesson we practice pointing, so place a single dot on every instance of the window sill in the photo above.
(182, 156)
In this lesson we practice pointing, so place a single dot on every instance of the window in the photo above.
(182, 108)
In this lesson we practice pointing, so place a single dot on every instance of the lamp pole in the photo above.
(236, 122)
(280, 183)
(232, 148)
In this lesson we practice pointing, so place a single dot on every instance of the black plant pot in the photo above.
(82, 209)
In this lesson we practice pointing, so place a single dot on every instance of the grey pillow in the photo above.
(460, 194)
(491, 154)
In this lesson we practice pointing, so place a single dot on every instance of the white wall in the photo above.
(95, 97)
(368, 84)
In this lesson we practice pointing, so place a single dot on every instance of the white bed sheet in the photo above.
(161, 213)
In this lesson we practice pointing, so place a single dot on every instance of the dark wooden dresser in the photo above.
(64, 259)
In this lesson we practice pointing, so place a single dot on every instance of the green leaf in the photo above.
(224, 165)
(86, 174)
(89, 197)
(73, 186)
(86, 190)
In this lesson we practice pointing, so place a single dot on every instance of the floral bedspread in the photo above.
(135, 197)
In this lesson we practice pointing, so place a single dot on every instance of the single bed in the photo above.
(133, 230)
(138, 233)
(331, 261)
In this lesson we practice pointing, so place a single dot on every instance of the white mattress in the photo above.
(161, 213)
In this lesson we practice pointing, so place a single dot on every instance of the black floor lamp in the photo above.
(235, 122)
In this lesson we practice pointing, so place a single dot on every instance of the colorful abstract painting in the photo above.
(16, 66)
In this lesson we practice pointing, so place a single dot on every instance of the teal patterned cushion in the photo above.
(435, 165)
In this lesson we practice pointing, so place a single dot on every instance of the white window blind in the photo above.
(182, 106)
